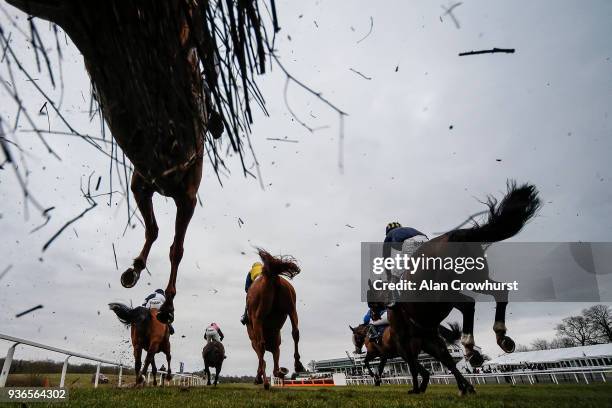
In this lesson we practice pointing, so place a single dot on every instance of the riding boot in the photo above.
(215, 124)
(245, 317)
(171, 329)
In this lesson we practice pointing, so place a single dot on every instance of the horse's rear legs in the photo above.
(499, 327)
(143, 194)
(138, 364)
(295, 333)
(468, 309)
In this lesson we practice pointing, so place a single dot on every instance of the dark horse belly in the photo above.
(141, 58)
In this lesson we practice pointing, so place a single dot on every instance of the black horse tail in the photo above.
(129, 316)
(275, 266)
(450, 334)
(506, 218)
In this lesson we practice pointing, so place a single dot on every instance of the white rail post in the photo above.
(97, 375)
(120, 376)
(7, 365)
(64, 370)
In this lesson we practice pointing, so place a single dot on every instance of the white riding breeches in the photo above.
(211, 334)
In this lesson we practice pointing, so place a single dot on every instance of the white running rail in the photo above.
(583, 375)
(181, 379)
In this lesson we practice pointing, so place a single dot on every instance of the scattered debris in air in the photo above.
(369, 31)
(360, 74)
(491, 51)
(30, 310)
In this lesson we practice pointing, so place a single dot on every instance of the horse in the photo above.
(270, 300)
(386, 348)
(506, 219)
(213, 354)
(144, 60)
(148, 334)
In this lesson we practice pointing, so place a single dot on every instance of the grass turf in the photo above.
(239, 395)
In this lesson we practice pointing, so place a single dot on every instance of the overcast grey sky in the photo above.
(543, 111)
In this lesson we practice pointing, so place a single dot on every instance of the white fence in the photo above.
(583, 375)
(177, 379)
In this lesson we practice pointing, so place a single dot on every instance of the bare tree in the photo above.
(578, 330)
(540, 344)
(599, 318)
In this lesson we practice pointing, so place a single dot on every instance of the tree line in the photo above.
(592, 326)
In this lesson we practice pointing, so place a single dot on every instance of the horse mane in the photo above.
(284, 265)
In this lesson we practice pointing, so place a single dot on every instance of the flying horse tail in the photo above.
(505, 219)
(450, 334)
(275, 266)
(127, 315)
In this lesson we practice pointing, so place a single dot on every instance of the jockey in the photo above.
(154, 301)
(377, 322)
(253, 274)
(396, 237)
(213, 333)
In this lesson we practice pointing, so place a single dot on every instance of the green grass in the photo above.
(238, 395)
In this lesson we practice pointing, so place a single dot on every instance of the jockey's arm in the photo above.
(367, 317)
(248, 282)
(221, 336)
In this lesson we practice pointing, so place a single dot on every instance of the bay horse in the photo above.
(506, 219)
(270, 300)
(148, 62)
(148, 334)
(213, 355)
(386, 348)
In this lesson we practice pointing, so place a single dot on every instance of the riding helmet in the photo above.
(391, 226)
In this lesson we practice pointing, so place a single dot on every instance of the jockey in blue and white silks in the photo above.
(154, 301)
(404, 239)
(377, 321)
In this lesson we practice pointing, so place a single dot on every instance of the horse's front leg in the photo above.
(143, 194)
(381, 369)
(185, 207)
(366, 363)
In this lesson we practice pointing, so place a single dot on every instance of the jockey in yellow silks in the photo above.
(253, 274)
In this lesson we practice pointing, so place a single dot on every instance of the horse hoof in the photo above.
(266, 385)
(377, 383)
(507, 344)
(129, 278)
(475, 359)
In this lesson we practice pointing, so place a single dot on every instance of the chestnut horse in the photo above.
(145, 60)
(148, 334)
(269, 301)
(411, 319)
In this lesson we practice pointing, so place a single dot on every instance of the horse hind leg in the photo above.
(138, 364)
(207, 371)
(143, 194)
(217, 371)
(468, 309)
(295, 333)
(499, 327)
(154, 371)
(185, 207)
